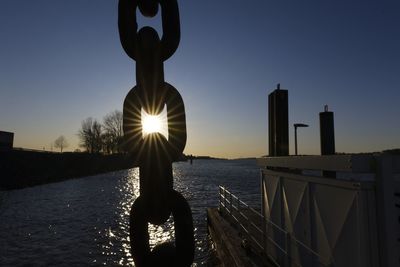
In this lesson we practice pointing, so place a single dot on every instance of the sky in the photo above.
(61, 62)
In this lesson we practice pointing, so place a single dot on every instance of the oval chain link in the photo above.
(154, 153)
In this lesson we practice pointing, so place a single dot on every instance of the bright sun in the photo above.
(154, 123)
(151, 124)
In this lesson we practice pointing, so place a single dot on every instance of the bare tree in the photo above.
(112, 124)
(97, 140)
(90, 135)
(108, 143)
(61, 143)
(85, 134)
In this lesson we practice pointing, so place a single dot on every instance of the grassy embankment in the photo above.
(19, 169)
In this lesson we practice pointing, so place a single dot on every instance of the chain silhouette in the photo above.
(154, 153)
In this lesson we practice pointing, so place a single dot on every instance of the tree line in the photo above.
(106, 137)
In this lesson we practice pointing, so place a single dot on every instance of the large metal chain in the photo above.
(153, 152)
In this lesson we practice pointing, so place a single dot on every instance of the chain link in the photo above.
(154, 153)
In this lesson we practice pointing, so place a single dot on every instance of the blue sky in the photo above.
(61, 62)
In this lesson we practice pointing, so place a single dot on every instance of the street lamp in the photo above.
(295, 134)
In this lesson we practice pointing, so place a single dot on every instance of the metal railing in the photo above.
(259, 232)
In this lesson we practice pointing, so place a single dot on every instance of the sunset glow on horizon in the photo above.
(62, 62)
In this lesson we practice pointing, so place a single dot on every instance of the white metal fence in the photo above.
(257, 229)
(349, 219)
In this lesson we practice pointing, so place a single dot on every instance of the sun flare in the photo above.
(154, 123)
(151, 124)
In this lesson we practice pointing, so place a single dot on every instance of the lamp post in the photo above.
(296, 125)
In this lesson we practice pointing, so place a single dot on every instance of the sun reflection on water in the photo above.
(161, 233)
(115, 251)
(129, 191)
(85, 222)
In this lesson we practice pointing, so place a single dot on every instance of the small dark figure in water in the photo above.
(191, 159)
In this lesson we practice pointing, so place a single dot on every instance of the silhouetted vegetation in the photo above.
(90, 135)
(113, 133)
(395, 151)
(61, 143)
(107, 137)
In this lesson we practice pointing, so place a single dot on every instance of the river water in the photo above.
(85, 221)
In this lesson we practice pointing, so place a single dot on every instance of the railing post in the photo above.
(264, 224)
(225, 206)
(220, 199)
(230, 203)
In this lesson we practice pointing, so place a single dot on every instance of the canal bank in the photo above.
(19, 169)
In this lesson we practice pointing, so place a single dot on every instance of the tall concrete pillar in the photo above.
(327, 132)
(278, 122)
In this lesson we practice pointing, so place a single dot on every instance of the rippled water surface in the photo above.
(85, 221)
